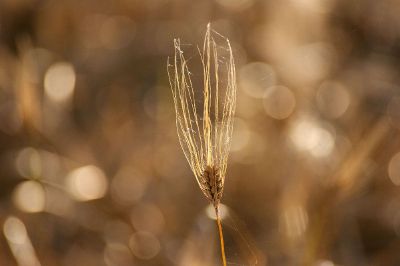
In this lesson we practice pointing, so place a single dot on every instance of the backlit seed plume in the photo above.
(204, 116)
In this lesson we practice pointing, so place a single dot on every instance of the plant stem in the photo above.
(221, 237)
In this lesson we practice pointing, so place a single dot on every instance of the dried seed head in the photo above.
(212, 185)
(205, 125)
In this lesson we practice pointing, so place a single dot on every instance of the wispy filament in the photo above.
(205, 128)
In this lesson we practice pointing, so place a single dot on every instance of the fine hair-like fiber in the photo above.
(204, 125)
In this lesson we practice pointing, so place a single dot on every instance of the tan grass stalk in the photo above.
(205, 128)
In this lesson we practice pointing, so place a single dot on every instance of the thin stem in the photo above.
(221, 237)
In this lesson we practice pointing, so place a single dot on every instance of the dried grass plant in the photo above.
(205, 123)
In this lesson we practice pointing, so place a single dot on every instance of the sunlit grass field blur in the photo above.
(91, 170)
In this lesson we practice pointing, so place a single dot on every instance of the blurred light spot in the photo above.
(128, 186)
(19, 242)
(29, 163)
(310, 62)
(29, 196)
(144, 245)
(117, 32)
(235, 5)
(394, 169)
(333, 99)
(59, 82)
(147, 217)
(116, 254)
(87, 183)
(308, 136)
(15, 231)
(279, 102)
(255, 78)
(223, 211)
(324, 263)
(393, 111)
(314, 5)
(240, 136)
(294, 220)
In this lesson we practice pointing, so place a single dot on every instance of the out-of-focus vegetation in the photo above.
(91, 169)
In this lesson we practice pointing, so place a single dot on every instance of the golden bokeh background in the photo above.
(91, 169)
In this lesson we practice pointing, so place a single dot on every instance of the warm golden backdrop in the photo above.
(91, 172)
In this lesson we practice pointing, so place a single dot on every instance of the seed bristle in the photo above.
(205, 138)
(205, 127)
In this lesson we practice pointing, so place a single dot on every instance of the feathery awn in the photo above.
(204, 124)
